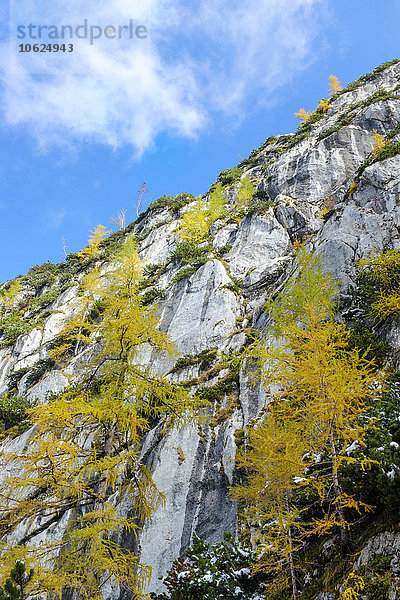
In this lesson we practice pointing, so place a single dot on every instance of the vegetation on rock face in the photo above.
(189, 253)
(172, 203)
(12, 326)
(13, 321)
(14, 417)
(387, 151)
(25, 302)
(245, 192)
(203, 360)
(197, 221)
(346, 118)
(365, 78)
(230, 176)
(379, 142)
(377, 294)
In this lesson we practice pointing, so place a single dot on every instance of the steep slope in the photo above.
(322, 185)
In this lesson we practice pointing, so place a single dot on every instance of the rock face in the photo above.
(304, 182)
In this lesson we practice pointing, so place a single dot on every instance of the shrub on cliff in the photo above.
(213, 572)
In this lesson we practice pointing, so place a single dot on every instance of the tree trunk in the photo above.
(344, 534)
(295, 594)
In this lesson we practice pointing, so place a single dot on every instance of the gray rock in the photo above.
(52, 383)
(387, 542)
(259, 241)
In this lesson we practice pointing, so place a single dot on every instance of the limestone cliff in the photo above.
(322, 185)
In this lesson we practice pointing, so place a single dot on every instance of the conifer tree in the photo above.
(196, 222)
(378, 142)
(379, 278)
(83, 458)
(318, 391)
(15, 587)
(334, 85)
(274, 460)
(216, 201)
(96, 236)
(323, 106)
(303, 115)
(246, 191)
(328, 384)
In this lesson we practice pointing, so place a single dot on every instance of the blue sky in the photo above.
(211, 82)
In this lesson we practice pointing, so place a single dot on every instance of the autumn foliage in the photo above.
(303, 115)
(334, 85)
(95, 238)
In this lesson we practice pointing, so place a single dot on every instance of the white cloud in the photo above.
(205, 59)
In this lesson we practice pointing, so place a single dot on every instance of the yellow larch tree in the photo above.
(96, 236)
(196, 221)
(303, 115)
(334, 85)
(354, 586)
(323, 106)
(328, 383)
(318, 392)
(378, 142)
(380, 273)
(245, 192)
(275, 472)
(331, 386)
(83, 459)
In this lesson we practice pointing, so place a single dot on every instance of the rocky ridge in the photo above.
(321, 185)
